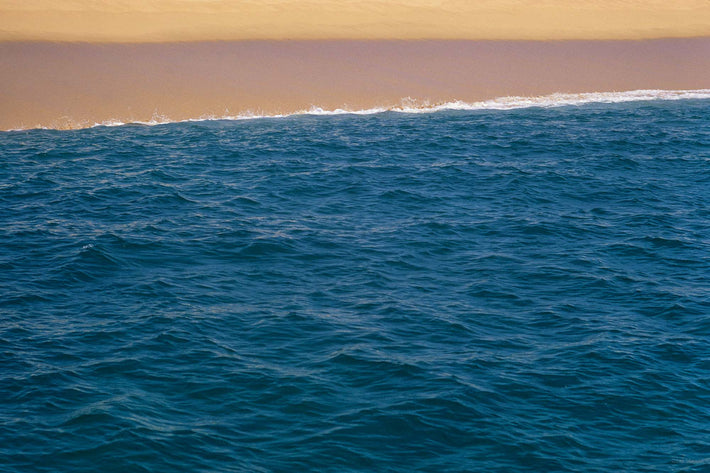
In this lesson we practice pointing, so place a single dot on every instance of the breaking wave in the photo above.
(412, 105)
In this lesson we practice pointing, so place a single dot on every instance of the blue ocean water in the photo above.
(459, 291)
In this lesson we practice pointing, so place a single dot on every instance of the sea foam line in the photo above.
(410, 105)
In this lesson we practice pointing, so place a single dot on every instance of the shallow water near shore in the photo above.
(461, 290)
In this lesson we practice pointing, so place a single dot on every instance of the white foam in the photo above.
(410, 105)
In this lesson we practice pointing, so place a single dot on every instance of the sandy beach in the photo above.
(230, 20)
(63, 85)
(73, 63)
(341, 236)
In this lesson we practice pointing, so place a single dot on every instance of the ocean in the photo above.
(513, 288)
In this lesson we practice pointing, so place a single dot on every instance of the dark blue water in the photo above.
(478, 291)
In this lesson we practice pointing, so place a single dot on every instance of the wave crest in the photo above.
(412, 105)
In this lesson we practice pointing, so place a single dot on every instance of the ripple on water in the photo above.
(521, 290)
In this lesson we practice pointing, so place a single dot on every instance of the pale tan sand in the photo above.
(64, 84)
(193, 20)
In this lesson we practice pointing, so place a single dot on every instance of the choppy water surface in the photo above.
(481, 291)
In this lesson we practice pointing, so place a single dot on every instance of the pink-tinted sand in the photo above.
(77, 84)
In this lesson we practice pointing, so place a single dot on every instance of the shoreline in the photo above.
(411, 106)
(64, 85)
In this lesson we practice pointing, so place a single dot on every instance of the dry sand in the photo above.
(64, 84)
(206, 20)
(78, 62)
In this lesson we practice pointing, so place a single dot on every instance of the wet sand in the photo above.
(78, 84)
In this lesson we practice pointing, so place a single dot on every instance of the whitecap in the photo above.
(412, 105)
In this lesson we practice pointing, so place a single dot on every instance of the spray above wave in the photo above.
(411, 105)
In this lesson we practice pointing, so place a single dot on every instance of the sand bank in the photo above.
(69, 85)
(200, 20)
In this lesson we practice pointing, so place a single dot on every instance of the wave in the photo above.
(411, 106)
